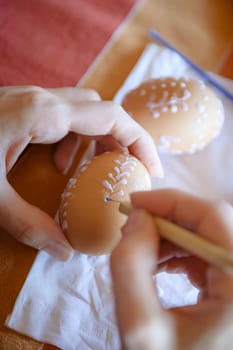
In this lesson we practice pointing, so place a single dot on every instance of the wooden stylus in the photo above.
(199, 246)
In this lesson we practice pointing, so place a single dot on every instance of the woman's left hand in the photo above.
(31, 114)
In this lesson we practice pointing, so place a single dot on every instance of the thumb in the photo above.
(142, 321)
(30, 225)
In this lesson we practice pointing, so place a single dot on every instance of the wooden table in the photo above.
(202, 29)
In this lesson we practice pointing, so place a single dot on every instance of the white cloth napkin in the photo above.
(71, 304)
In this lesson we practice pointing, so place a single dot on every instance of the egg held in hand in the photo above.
(182, 115)
(88, 213)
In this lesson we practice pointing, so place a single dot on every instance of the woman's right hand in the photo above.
(143, 323)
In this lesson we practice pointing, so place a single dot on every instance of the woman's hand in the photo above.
(143, 323)
(32, 114)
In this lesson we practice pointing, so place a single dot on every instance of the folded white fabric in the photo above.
(71, 304)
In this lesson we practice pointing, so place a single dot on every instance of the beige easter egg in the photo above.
(182, 115)
(89, 214)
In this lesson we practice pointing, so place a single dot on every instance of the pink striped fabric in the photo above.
(53, 42)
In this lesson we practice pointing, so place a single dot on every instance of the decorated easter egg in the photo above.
(182, 115)
(88, 213)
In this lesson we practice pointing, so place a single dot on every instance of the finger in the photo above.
(75, 94)
(66, 150)
(142, 322)
(30, 225)
(212, 220)
(42, 110)
(108, 118)
(219, 285)
(108, 144)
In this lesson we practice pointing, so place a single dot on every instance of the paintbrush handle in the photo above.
(190, 241)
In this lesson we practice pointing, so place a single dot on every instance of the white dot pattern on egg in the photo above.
(169, 99)
(166, 141)
(119, 177)
(177, 108)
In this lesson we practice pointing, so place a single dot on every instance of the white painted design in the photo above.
(123, 182)
(64, 225)
(166, 141)
(125, 173)
(170, 100)
(142, 92)
(118, 177)
(164, 109)
(174, 108)
(107, 185)
(183, 84)
(151, 105)
(200, 107)
(173, 100)
(117, 170)
(117, 161)
(110, 175)
(185, 106)
(156, 114)
(71, 183)
(202, 84)
(187, 94)
(83, 168)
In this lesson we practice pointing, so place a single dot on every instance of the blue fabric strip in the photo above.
(205, 76)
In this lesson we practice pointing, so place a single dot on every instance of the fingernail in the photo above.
(60, 250)
(135, 221)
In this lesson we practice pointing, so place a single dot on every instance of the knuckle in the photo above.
(26, 95)
(36, 96)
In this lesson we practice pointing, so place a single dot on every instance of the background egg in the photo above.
(182, 115)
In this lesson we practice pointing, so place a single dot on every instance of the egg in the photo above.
(182, 115)
(88, 212)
